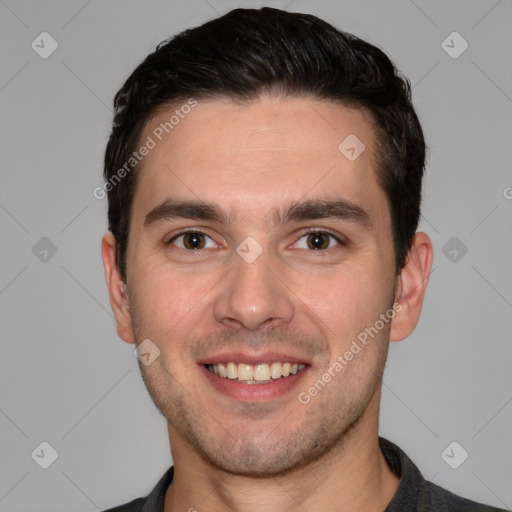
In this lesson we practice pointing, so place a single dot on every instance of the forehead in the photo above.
(248, 156)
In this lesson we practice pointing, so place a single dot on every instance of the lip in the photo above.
(254, 359)
(253, 392)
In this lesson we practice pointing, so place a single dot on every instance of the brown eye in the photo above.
(192, 240)
(318, 241)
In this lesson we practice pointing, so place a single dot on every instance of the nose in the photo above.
(253, 296)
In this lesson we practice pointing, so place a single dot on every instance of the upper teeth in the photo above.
(258, 372)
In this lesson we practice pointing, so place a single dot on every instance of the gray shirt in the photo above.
(414, 493)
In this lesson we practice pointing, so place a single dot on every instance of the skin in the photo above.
(249, 159)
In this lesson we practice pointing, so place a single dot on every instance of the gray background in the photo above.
(65, 376)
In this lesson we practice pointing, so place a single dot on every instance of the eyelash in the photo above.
(302, 235)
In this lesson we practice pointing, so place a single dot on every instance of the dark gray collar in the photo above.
(414, 493)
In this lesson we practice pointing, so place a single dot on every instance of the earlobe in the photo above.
(411, 287)
(118, 295)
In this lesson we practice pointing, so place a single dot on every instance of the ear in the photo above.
(411, 287)
(119, 300)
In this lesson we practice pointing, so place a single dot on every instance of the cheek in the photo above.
(345, 302)
(169, 301)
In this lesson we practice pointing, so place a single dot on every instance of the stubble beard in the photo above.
(327, 421)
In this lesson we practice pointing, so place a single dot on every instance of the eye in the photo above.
(317, 241)
(192, 240)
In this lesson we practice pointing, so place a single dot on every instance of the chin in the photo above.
(264, 459)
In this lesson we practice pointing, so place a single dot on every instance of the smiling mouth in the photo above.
(255, 374)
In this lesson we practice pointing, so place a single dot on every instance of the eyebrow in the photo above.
(295, 211)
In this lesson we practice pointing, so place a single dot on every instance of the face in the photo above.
(257, 248)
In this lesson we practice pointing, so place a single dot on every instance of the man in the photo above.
(264, 178)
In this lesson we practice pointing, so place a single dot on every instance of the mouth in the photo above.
(251, 379)
(262, 373)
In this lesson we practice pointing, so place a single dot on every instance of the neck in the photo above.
(352, 476)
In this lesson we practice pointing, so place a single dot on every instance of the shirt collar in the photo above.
(405, 497)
